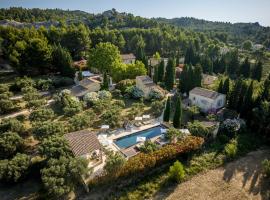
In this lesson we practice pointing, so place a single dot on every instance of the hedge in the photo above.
(143, 162)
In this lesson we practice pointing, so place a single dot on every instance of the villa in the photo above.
(146, 84)
(207, 100)
(208, 79)
(128, 58)
(84, 144)
(86, 85)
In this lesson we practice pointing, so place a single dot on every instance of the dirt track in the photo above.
(239, 180)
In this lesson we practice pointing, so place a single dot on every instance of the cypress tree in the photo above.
(220, 86)
(156, 74)
(167, 111)
(161, 71)
(245, 68)
(105, 82)
(183, 80)
(178, 113)
(197, 76)
(190, 56)
(257, 71)
(242, 95)
(190, 79)
(248, 101)
(226, 87)
(234, 96)
(170, 74)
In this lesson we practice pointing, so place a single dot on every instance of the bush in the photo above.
(156, 94)
(172, 134)
(197, 129)
(42, 114)
(62, 81)
(22, 83)
(266, 167)
(157, 108)
(135, 92)
(104, 95)
(177, 172)
(230, 127)
(90, 98)
(143, 162)
(114, 162)
(148, 147)
(44, 84)
(14, 169)
(124, 84)
(231, 149)
(11, 124)
(10, 143)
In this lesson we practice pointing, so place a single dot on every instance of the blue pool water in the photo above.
(131, 140)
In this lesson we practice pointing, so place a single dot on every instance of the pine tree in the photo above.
(220, 86)
(167, 111)
(170, 74)
(161, 71)
(178, 113)
(226, 87)
(257, 71)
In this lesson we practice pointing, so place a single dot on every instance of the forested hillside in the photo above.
(236, 33)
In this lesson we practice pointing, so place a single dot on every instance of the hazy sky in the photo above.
(215, 10)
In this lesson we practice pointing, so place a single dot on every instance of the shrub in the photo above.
(90, 98)
(10, 142)
(266, 167)
(231, 149)
(124, 84)
(114, 162)
(42, 114)
(143, 162)
(148, 147)
(62, 81)
(135, 92)
(104, 95)
(11, 124)
(157, 108)
(6, 106)
(230, 127)
(22, 83)
(172, 134)
(44, 84)
(197, 129)
(156, 94)
(177, 172)
(14, 169)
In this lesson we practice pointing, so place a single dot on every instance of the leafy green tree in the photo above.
(178, 113)
(54, 147)
(247, 45)
(112, 117)
(82, 121)
(11, 125)
(170, 74)
(42, 114)
(105, 57)
(15, 169)
(177, 172)
(62, 61)
(167, 111)
(157, 108)
(114, 162)
(10, 143)
(60, 176)
(47, 128)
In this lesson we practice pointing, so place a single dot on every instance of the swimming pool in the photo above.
(130, 140)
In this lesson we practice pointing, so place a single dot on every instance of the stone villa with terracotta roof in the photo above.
(128, 58)
(207, 100)
(84, 144)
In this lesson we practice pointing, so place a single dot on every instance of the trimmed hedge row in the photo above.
(143, 162)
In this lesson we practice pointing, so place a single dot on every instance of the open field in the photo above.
(239, 180)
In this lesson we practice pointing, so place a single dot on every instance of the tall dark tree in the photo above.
(105, 82)
(190, 57)
(177, 119)
(167, 111)
(234, 96)
(170, 74)
(220, 86)
(245, 68)
(226, 87)
(183, 82)
(233, 65)
(197, 76)
(248, 102)
(257, 71)
(161, 71)
(62, 61)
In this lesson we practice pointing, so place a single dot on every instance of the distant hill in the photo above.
(236, 32)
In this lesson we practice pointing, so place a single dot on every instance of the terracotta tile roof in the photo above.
(205, 93)
(82, 142)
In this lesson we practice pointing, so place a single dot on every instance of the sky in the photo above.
(214, 10)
